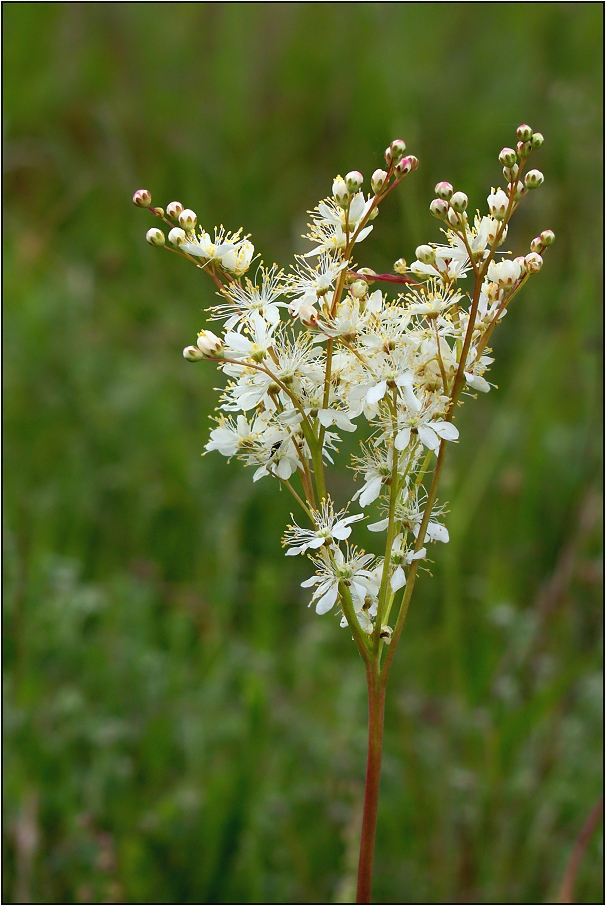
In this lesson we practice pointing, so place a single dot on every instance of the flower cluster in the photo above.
(322, 349)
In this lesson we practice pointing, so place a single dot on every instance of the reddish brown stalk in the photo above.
(384, 278)
(376, 718)
(566, 894)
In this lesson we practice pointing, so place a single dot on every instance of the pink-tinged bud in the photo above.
(397, 148)
(367, 272)
(521, 262)
(425, 254)
(378, 180)
(155, 237)
(536, 245)
(444, 190)
(507, 157)
(142, 198)
(534, 263)
(413, 161)
(520, 192)
(174, 209)
(523, 149)
(534, 179)
(548, 237)
(209, 344)
(188, 220)
(537, 140)
(524, 133)
(400, 266)
(439, 208)
(511, 173)
(308, 315)
(459, 201)
(353, 180)
(192, 354)
(177, 236)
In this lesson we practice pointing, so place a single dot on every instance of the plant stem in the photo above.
(376, 715)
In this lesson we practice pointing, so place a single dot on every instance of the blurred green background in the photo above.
(180, 728)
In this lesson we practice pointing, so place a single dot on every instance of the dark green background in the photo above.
(180, 728)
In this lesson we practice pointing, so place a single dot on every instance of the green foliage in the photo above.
(179, 727)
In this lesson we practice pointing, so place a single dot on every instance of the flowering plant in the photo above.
(322, 350)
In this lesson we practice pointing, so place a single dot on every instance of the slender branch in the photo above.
(566, 894)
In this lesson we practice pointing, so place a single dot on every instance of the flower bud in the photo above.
(548, 237)
(377, 181)
(534, 179)
(520, 192)
(524, 133)
(439, 208)
(459, 201)
(209, 344)
(497, 204)
(454, 218)
(521, 262)
(444, 190)
(142, 198)
(507, 157)
(359, 289)
(400, 266)
(413, 162)
(177, 236)
(174, 209)
(188, 219)
(397, 148)
(425, 254)
(340, 191)
(192, 354)
(386, 634)
(353, 180)
(534, 263)
(537, 140)
(511, 173)
(536, 245)
(308, 315)
(368, 272)
(155, 237)
(523, 149)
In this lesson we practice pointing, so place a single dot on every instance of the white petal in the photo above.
(376, 393)
(402, 439)
(428, 437)
(437, 532)
(398, 580)
(364, 233)
(327, 601)
(378, 526)
(371, 491)
(445, 430)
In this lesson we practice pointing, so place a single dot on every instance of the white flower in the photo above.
(504, 273)
(255, 347)
(242, 301)
(330, 527)
(330, 572)
(332, 225)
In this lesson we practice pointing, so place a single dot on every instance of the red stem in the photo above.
(376, 715)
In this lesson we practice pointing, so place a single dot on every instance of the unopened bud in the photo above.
(209, 344)
(377, 180)
(497, 204)
(386, 634)
(308, 315)
(142, 198)
(534, 263)
(400, 266)
(537, 140)
(507, 157)
(155, 237)
(520, 192)
(188, 219)
(454, 218)
(524, 133)
(367, 272)
(521, 262)
(444, 190)
(340, 191)
(534, 179)
(397, 148)
(425, 254)
(159, 212)
(174, 209)
(523, 149)
(548, 237)
(511, 173)
(459, 201)
(353, 180)
(192, 354)
(177, 236)
(439, 208)
(359, 289)
(536, 245)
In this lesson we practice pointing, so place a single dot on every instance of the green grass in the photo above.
(179, 726)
